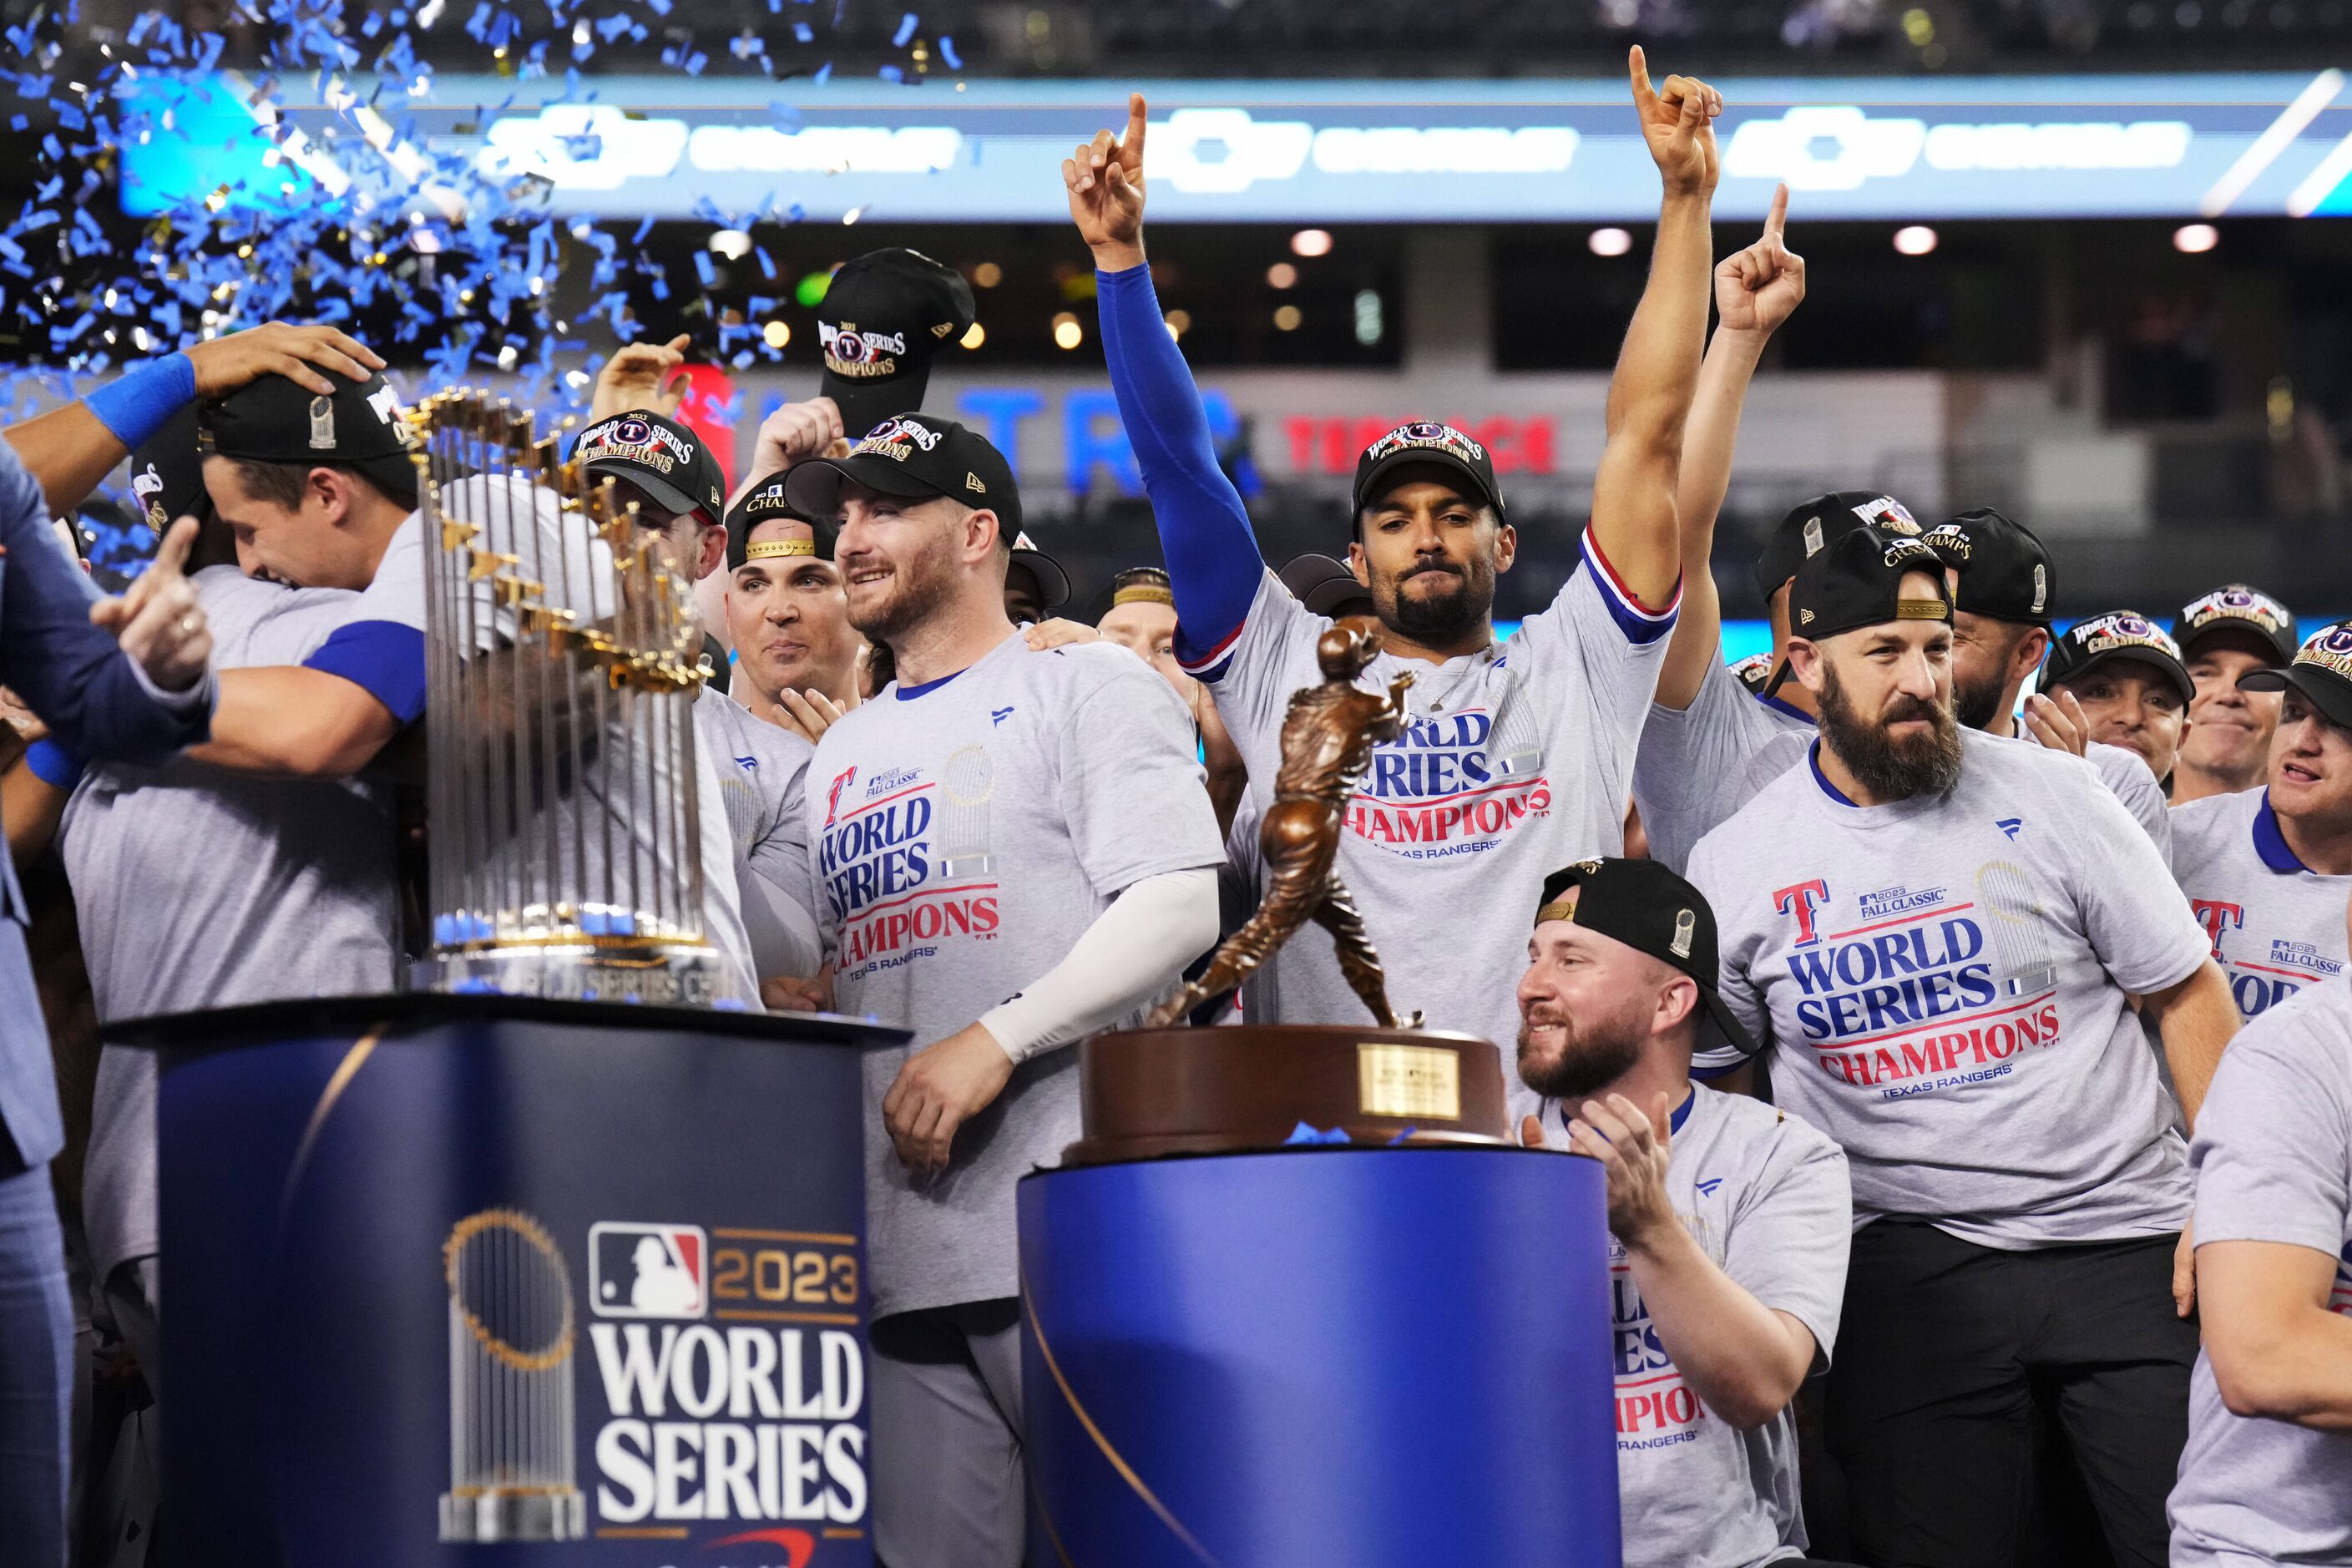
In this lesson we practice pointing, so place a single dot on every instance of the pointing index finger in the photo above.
(174, 554)
(1637, 65)
(1776, 222)
(1135, 126)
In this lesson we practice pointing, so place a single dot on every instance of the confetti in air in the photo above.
(340, 202)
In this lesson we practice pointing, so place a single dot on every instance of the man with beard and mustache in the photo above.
(1937, 935)
(1516, 756)
(1015, 847)
(2000, 629)
(2230, 632)
(1727, 1220)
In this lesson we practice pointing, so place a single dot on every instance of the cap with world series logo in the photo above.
(765, 502)
(2103, 639)
(360, 426)
(1647, 907)
(2254, 616)
(2321, 670)
(2004, 568)
(914, 458)
(1423, 442)
(883, 317)
(1813, 526)
(665, 460)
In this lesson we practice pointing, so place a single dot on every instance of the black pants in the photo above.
(1939, 1348)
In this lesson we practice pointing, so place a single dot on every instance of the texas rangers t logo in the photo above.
(2217, 917)
(832, 794)
(1802, 900)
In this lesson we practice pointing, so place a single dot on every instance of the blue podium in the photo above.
(484, 1280)
(1326, 1355)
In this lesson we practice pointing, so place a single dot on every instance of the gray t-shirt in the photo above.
(761, 767)
(2275, 925)
(966, 832)
(1517, 760)
(1942, 981)
(199, 888)
(1766, 1197)
(2274, 1162)
(1694, 768)
(1700, 765)
(522, 521)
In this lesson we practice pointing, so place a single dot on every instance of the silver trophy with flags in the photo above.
(562, 662)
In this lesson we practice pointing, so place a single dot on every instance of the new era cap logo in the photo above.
(648, 1270)
(972, 483)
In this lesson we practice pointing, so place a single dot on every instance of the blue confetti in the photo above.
(948, 53)
(905, 30)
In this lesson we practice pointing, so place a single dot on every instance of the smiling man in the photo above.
(2127, 675)
(1729, 1222)
(2267, 871)
(796, 654)
(1014, 849)
(1937, 935)
(2229, 633)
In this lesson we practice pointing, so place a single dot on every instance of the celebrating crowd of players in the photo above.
(1995, 999)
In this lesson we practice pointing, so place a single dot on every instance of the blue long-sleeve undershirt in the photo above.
(1213, 564)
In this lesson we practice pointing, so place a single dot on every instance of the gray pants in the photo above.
(949, 1486)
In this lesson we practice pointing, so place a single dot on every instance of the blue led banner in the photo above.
(1882, 148)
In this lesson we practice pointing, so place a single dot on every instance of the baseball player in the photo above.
(2233, 631)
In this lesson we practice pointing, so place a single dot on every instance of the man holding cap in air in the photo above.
(1937, 936)
(2230, 632)
(1728, 1219)
(1015, 849)
(1516, 756)
(2267, 871)
(2128, 679)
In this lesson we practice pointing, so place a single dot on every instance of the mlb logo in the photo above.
(648, 1270)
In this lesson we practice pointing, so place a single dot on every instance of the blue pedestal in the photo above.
(1367, 1357)
(425, 1253)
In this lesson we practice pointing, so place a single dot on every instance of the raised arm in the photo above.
(1213, 564)
(1755, 290)
(1657, 370)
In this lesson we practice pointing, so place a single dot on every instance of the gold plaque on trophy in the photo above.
(1408, 1081)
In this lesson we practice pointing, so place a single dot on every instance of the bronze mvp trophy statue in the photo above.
(1162, 1089)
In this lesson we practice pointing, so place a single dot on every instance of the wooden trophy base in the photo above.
(1144, 1093)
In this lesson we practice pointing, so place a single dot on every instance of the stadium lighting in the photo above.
(777, 335)
(1286, 319)
(1179, 323)
(2195, 239)
(1915, 239)
(973, 336)
(988, 275)
(1067, 333)
(1281, 275)
(732, 243)
(1609, 242)
(1311, 242)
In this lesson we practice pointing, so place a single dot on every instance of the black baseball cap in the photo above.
(883, 316)
(764, 502)
(1422, 442)
(1815, 525)
(2117, 635)
(2321, 670)
(1647, 907)
(2004, 569)
(359, 426)
(2234, 607)
(1141, 585)
(662, 458)
(1325, 586)
(167, 475)
(1857, 581)
(1053, 582)
(913, 457)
